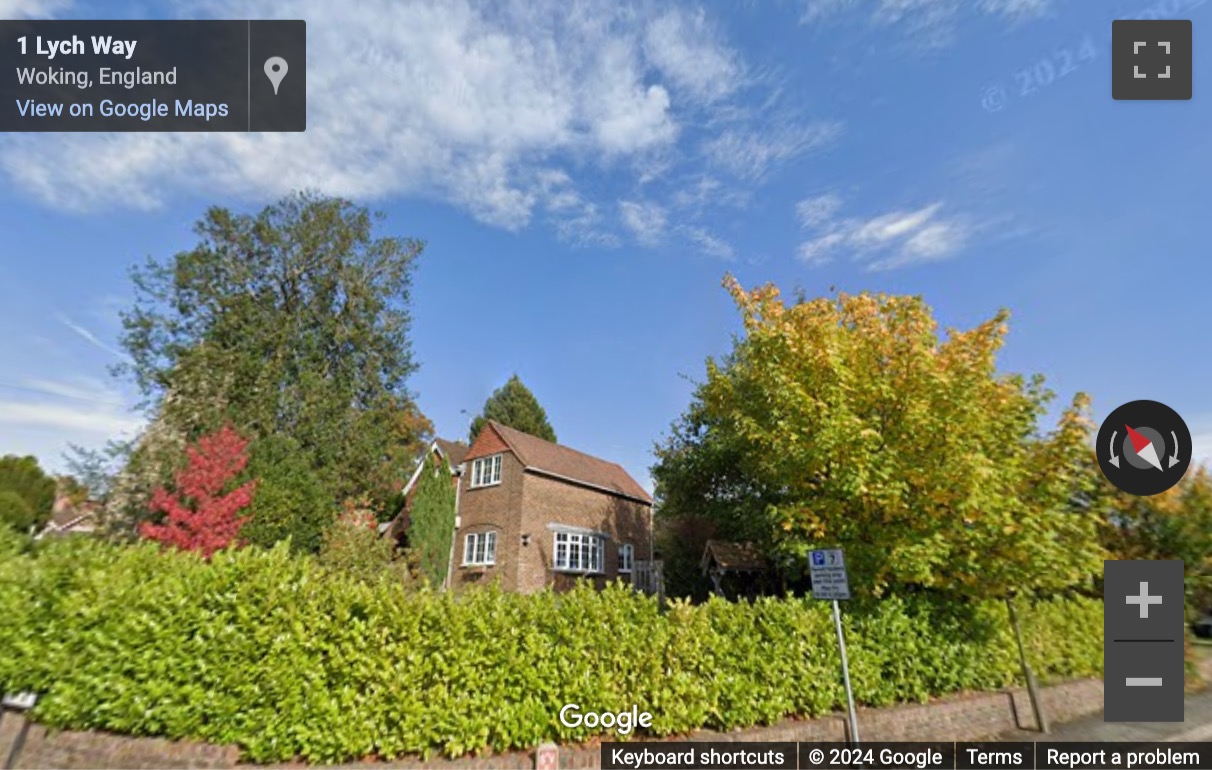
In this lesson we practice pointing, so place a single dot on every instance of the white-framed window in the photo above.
(576, 552)
(486, 471)
(626, 558)
(480, 549)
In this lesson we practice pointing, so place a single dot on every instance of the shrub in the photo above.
(289, 658)
(352, 546)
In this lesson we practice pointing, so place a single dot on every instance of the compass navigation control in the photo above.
(1144, 447)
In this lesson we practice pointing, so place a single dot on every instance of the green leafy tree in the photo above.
(849, 421)
(432, 521)
(30, 486)
(15, 513)
(293, 321)
(514, 405)
(291, 502)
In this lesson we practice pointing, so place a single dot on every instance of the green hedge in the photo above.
(273, 653)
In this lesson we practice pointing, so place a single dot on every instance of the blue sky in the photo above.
(586, 173)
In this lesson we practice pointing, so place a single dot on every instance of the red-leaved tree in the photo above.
(200, 516)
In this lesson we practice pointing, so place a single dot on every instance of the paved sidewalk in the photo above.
(1197, 727)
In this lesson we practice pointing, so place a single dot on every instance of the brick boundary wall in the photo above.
(954, 718)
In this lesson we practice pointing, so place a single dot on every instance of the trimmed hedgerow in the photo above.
(286, 659)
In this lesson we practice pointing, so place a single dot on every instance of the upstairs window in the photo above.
(626, 558)
(486, 471)
(480, 550)
(576, 552)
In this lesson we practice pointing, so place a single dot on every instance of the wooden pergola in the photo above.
(736, 569)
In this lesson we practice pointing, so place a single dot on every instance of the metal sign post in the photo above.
(830, 582)
(841, 646)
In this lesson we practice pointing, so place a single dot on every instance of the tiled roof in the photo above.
(544, 456)
(454, 451)
(67, 513)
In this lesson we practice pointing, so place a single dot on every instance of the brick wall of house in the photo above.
(493, 508)
(548, 502)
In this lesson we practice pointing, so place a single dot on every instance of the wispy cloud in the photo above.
(89, 336)
(818, 10)
(77, 419)
(1016, 10)
(646, 220)
(928, 23)
(882, 242)
(819, 210)
(749, 153)
(86, 390)
(43, 416)
(710, 244)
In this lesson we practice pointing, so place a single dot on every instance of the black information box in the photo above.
(153, 76)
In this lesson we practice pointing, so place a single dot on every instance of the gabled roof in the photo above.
(727, 555)
(453, 451)
(551, 459)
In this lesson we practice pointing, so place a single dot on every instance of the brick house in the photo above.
(533, 514)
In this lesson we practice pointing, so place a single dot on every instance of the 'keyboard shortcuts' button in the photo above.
(1143, 641)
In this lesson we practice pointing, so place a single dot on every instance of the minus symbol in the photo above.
(1143, 681)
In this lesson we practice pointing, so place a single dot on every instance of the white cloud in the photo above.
(514, 112)
(684, 47)
(437, 98)
(886, 241)
(646, 220)
(751, 153)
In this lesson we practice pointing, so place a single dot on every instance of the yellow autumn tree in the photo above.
(852, 421)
